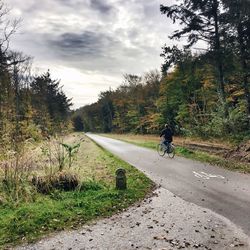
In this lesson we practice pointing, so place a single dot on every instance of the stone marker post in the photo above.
(121, 180)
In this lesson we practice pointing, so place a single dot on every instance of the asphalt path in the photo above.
(226, 193)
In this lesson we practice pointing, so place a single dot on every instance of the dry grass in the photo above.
(204, 151)
(86, 158)
(181, 141)
(59, 210)
(39, 160)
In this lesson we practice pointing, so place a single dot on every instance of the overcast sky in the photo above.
(90, 44)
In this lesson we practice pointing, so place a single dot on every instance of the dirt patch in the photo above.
(241, 153)
(209, 148)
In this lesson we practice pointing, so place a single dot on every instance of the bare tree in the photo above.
(7, 27)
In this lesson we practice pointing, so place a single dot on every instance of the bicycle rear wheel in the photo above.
(171, 151)
(161, 149)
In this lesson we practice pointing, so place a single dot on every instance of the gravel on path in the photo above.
(162, 221)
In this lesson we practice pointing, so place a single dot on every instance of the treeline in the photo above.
(31, 106)
(130, 108)
(201, 91)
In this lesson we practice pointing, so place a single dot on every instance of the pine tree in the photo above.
(237, 18)
(200, 21)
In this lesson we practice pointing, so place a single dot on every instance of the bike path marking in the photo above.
(206, 176)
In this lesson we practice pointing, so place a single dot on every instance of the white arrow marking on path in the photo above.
(207, 176)
(213, 175)
(200, 175)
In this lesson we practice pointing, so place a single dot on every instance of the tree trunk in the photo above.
(244, 65)
(219, 59)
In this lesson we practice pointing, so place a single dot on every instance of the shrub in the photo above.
(65, 181)
(32, 131)
(235, 124)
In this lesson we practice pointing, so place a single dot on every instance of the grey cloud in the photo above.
(97, 51)
(105, 37)
(83, 45)
(101, 6)
(150, 10)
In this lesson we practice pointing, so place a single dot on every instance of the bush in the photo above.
(65, 181)
(235, 124)
(32, 131)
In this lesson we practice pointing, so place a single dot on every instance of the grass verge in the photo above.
(205, 157)
(95, 198)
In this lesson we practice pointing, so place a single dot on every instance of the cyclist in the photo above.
(168, 135)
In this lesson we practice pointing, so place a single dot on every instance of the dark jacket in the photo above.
(168, 134)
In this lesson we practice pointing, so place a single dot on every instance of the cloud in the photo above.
(85, 44)
(97, 38)
(97, 5)
(101, 6)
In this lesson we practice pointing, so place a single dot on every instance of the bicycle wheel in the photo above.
(161, 149)
(171, 151)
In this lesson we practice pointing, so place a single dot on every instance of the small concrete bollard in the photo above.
(121, 180)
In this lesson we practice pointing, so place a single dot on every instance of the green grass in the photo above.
(145, 144)
(213, 160)
(96, 198)
(190, 154)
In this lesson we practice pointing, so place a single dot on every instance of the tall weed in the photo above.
(14, 178)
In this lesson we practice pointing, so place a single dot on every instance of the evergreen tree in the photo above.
(200, 20)
(237, 20)
(51, 105)
(78, 123)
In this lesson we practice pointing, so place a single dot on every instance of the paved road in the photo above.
(162, 221)
(225, 192)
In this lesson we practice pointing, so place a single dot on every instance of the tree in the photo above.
(200, 20)
(107, 110)
(129, 108)
(173, 56)
(237, 18)
(78, 123)
(51, 105)
(7, 94)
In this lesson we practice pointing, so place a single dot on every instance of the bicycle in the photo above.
(162, 149)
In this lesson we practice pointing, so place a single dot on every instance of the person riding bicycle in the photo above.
(167, 134)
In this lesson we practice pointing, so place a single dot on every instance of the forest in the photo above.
(31, 105)
(52, 179)
(199, 91)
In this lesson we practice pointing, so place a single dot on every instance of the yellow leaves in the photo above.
(151, 122)
(208, 83)
(239, 93)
